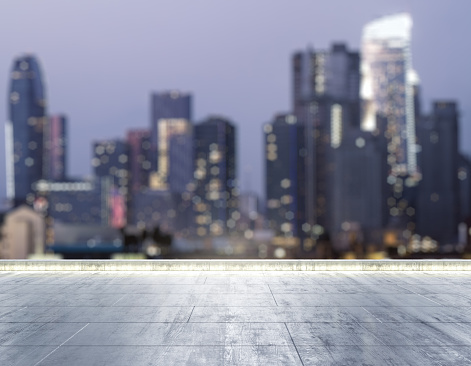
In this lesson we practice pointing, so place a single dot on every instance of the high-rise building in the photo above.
(464, 177)
(390, 97)
(172, 136)
(284, 164)
(333, 73)
(111, 164)
(438, 208)
(139, 158)
(387, 88)
(55, 141)
(24, 130)
(358, 186)
(216, 196)
(326, 102)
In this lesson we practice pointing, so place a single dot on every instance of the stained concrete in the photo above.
(235, 318)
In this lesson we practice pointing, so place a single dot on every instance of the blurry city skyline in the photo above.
(102, 60)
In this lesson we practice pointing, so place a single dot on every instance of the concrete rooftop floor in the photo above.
(235, 318)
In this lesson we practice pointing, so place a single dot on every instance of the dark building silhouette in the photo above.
(24, 131)
(438, 207)
(215, 196)
(55, 141)
(464, 178)
(284, 173)
(326, 102)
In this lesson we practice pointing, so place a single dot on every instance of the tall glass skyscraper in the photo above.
(387, 88)
(24, 129)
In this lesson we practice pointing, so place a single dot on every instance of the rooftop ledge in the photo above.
(235, 265)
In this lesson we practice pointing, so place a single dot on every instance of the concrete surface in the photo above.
(235, 265)
(235, 318)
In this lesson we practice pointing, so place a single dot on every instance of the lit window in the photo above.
(123, 159)
(29, 161)
(285, 183)
(360, 142)
(267, 128)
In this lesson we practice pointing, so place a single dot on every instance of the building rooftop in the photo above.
(94, 316)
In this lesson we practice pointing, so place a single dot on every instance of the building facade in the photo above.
(284, 173)
(172, 142)
(139, 159)
(438, 209)
(24, 130)
(56, 148)
(326, 103)
(216, 193)
(387, 87)
(111, 165)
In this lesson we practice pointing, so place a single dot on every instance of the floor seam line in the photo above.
(276, 303)
(191, 314)
(371, 314)
(421, 295)
(118, 300)
(13, 312)
(374, 335)
(292, 341)
(59, 346)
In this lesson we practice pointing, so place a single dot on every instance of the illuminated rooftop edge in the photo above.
(235, 265)
(397, 26)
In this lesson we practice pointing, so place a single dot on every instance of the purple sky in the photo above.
(102, 58)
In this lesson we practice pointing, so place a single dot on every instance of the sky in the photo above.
(101, 59)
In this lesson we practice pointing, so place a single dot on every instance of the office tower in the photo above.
(390, 97)
(387, 90)
(24, 130)
(172, 151)
(358, 187)
(139, 158)
(464, 177)
(215, 197)
(55, 142)
(111, 164)
(438, 197)
(76, 202)
(326, 102)
(284, 174)
(318, 74)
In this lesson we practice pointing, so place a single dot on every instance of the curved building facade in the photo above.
(24, 130)
(387, 90)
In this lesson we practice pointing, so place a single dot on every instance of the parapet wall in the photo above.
(235, 265)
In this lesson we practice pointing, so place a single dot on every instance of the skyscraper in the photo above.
(111, 165)
(390, 97)
(326, 103)
(387, 89)
(139, 158)
(55, 159)
(439, 197)
(284, 164)
(172, 136)
(24, 130)
(333, 73)
(216, 194)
